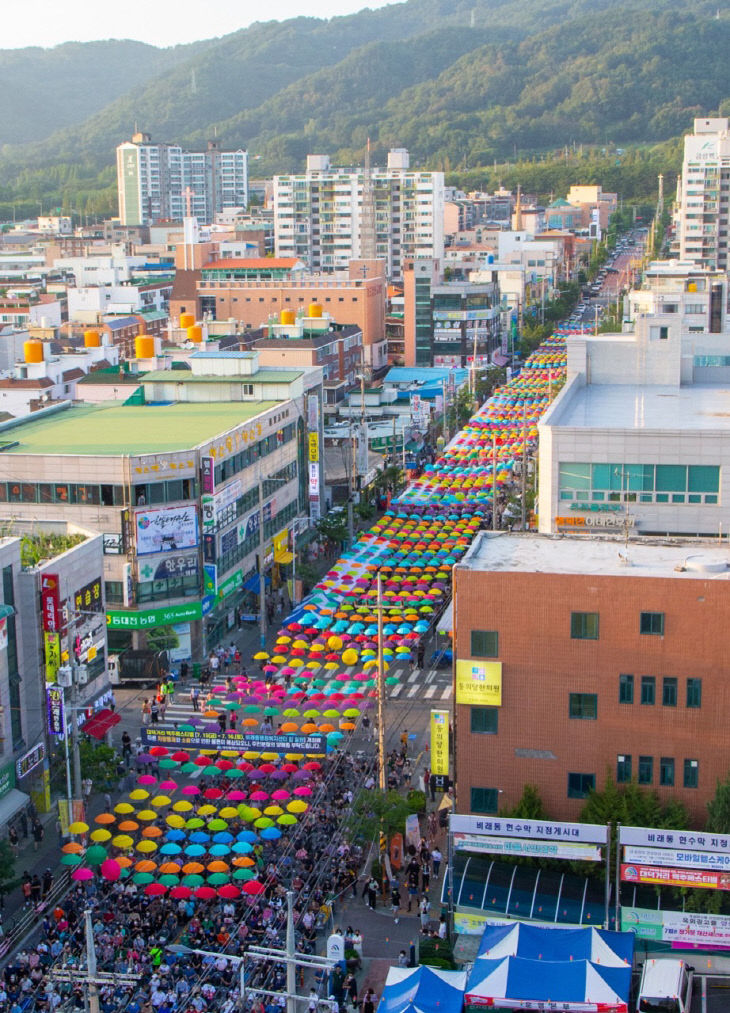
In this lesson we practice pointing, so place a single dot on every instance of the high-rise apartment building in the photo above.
(330, 216)
(158, 182)
(704, 190)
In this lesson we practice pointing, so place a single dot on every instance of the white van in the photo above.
(666, 986)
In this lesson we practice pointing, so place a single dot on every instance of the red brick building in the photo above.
(613, 661)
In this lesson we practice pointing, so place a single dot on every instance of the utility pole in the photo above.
(291, 949)
(262, 587)
(523, 474)
(93, 978)
(494, 480)
(381, 689)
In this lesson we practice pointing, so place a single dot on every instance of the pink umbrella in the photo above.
(259, 796)
(83, 873)
(168, 785)
(236, 795)
(280, 795)
(303, 791)
(191, 789)
(146, 779)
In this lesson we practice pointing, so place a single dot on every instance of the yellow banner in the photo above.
(314, 447)
(53, 655)
(439, 742)
(281, 547)
(479, 682)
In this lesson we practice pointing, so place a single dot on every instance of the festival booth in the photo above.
(422, 990)
(573, 985)
(537, 942)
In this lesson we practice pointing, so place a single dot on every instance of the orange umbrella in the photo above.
(289, 726)
(308, 729)
(105, 818)
(151, 832)
(123, 861)
(218, 866)
(72, 848)
(326, 728)
(127, 826)
(193, 868)
(169, 869)
(249, 722)
(243, 862)
(145, 865)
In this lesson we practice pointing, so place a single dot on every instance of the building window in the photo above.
(484, 644)
(652, 623)
(583, 705)
(666, 771)
(691, 773)
(626, 689)
(646, 769)
(584, 625)
(623, 768)
(484, 800)
(579, 785)
(648, 690)
(694, 692)
(669, 692)
(484, 720)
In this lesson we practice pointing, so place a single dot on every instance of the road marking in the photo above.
(396, 690)
(414, 675)
(431, 676)
(446, 693)
(412, 690)
(430, 692)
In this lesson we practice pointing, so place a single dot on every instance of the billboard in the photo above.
(166, 530)
(592, 833)
(703, 879)
(683, 930)
(479, 682)
(520, 848)
(54, 703)
(677, 858)
(50, 602)
(241, 741)
(439, 742)
(52, 647)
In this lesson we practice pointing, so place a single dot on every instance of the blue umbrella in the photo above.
(175, 835)
(271, 834)
(223, 837)
(218, 850)
(199, 837)
(194, 850)
(170, 849)
(242, 848)
(246, 835)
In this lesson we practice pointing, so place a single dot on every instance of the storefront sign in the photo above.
(209, 552)
(515, 847)
(675, 839)
(592, 833)
(50, 602)
(88, 598)
(144, 619)
(54, 699)
(166, 530)
(677, 859)
(314, 447)
(313, 480)
(177, 565)
(479, 683)
(231, 584)
(207, 474)
(210, 579)
(52, 649)
(30, 760)
(439, 742)
(312, 411)
(208, 510)
(7, 779)
(112, 542)
(683, 930)
(312, 744)
(227, 498)
(691, 878)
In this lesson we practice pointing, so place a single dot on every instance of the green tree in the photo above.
(99, 762)
(333, 527)
(718, 808)
(162, 638)
(7, 868)
(530, 805)
(375, 811)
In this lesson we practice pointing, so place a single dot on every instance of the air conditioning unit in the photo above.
(64, 676)
(82, 675)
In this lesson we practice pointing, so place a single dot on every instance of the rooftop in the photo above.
(112, 428)
(696, 407)
(272, 375)
(606, 557)
(251, 264)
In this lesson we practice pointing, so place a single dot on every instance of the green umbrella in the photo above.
(186, 728)
(271, 711)
(351, 712)
(233, 706)
(169, 880)
(262, 822)
(331, 713)
(312, 712)
(143, 878)
(167, 764)
(95, 855)
(213, 771)
(194, 823)
(215, 702)
(72, 860)
(217, 824)
(244, 874)
(287, 820)
(189, 768)
(291, 712)
(193, 880)
(218, 878)
(233, 772)
(251, 708)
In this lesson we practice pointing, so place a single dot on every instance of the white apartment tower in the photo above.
(703, 195)
(318, 215)
(159, 182)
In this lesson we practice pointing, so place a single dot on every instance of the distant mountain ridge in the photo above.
(458, 82)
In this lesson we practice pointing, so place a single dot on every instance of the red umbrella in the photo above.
(213, 793)
(155, 889)
(206, 892)
(252, 887)
(159, 751)
(179, 892)
(267, 768)
(202, 761)
(224, 764)
(229, 891)
(180, 756)
(312, 765)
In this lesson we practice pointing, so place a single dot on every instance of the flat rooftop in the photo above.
(269, 374)
(596, 556)
(113, 428)
(696, 407)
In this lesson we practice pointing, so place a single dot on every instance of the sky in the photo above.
(159, 22)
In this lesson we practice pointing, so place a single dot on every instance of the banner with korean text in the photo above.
(479, 683)
(439, 742)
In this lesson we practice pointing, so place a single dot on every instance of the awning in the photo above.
(283, 557)
(100, 723)
(11, 804)
(252, 584)
(499, 360)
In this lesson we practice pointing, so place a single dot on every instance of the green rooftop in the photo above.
(186, 376)
(113, 428)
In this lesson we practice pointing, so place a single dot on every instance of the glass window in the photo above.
(626, 689)
(583, 705)
(669, 692)
(652, 623)
(703, 478)
(484, 800)
(623, 768)
(174, 490)
(584, 625)
(155, 492)
(646, 769)
(671, 478)
(484, 644)
(691, 773)
(575, 476)
(694, 692)
(648, 690)
(666, 771)
(579, 785)
(485, 720)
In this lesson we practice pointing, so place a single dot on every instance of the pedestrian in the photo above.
(222, 721)
(350, 989)
(171, 689)
(13, 839)
(163, 705)
(366, 726)
(436, 857)
(432, 787)
(87, 786)
(47, 882)
(195, 698)
(425, 876)
(424, 908)
(426, 776)
(24, 824)
(112, 701)
(443, 927)
(402, 959)
(404, 741)
(369, 1002)
(146, 711)
(36, 889)
(395, 900)
(26, 890)
(372, 892)
(107, 802)
(37, 832)
(421, 653)
(232, 719)
(126, 747)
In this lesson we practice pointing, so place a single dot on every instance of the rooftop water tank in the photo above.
(92, 339)
(144, 346)
(287, 317)
(33, 350)
(187, 320)
(315, 310)
(195, 334)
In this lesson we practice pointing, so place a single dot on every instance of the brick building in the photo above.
(589, 657)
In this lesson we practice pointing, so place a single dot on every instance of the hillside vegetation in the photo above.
(462, 83)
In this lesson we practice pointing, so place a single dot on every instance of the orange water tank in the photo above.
(315, 310)
(195, 334)
(144, 346)
(92, 339)
(33, 350)
(187, 320)
(287, 317)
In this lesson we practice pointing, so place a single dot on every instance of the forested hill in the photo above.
(459, 82)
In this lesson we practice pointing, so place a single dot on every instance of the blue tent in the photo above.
(513, 982)
(540, 942)
(422, 990)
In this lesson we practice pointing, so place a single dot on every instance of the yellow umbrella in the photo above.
(260, 656)
(146, 846)
(146, 815)
(176, 822)
(161, 800)
(250, 754)
(183, 806)
(294, 757)
(100, 835)
(297, 806)
(123, 808)
(295, 662)
(228, 812)
(122, 841)
(314, 664)
(331, 665)
(269, 757)
(206, 810)
(278, 659)
(273, 810)
(229, 752)
(138, 794)
(78, 827)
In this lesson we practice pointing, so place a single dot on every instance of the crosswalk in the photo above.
(434, 685)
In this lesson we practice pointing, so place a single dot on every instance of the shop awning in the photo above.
(100, 723)
(252, 584)
(11, 804)
(283, 557)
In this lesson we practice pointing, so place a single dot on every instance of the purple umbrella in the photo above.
(279, 775)
(302, 775)
(145, 758)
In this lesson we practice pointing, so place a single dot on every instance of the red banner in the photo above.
(703, 878)
(50, 602)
